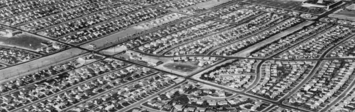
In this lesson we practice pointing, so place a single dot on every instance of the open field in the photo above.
(23, 40)
(344, 14)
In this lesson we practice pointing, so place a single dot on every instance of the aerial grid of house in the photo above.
(177, 55)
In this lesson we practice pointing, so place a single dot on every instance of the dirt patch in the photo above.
(180, 67)
(25, 41)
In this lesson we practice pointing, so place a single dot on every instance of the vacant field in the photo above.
(117, 37)
(24, 40)
(180, 67)
(344, 14)
(292, 5)
(209, 4)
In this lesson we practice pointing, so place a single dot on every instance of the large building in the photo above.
(326, 4)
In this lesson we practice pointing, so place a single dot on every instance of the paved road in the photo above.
(80, 49)
(110, 90)
(162, 52)
(350, 87)
(296, 43)
(307, 78)
(208, 4)
(50, 77)
(34, 65)
(65, 90)
(244, 52)
(150, 97)
(314, 70)
(276, 37)
(256, 58)
(223, 87)
(198, 74)
(113, 38)
(269, 108)
(257, 75)
(341, 97)
(91, 13)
